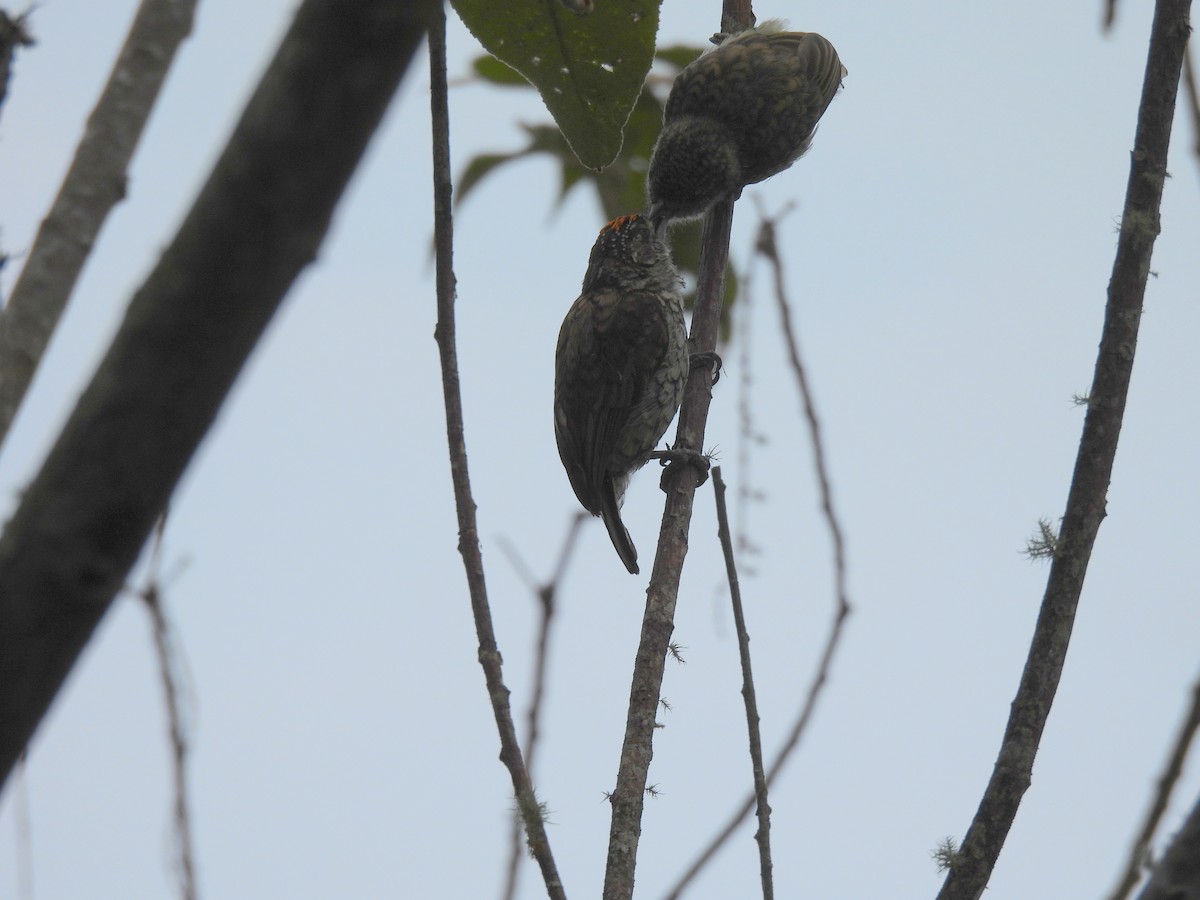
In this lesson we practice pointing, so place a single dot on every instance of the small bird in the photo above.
(620, 369)
(739, 114)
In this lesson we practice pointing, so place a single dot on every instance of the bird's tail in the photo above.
(610, 512)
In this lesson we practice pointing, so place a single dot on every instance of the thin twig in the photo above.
(1110, 13)
(766, 246)
(468, 532)
(93, 185)
(763, 835)
(1177, 875)
(546, 594)
(975, 859)
(1140, 850)
(258, 221)
(1193, 96)
(13, 34)
(748, 434)
(151, 595)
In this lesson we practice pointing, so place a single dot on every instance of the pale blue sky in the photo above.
(947, 262)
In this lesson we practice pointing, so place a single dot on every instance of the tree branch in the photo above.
(256, 224)
(754, 733)
(1166, 783)
(1177, 875)
(1085, 508)
(13, 34)
(680, 482)
(94, 184)
(528, 805)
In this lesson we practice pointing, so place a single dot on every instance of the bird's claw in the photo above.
(667, 458)
(709, 358)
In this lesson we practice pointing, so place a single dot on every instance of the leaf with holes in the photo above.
(588, 69)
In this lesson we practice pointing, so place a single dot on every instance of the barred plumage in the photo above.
(620, 369)
(738, 114)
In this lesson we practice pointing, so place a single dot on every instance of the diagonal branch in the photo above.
(1177, 875)
(973, 864)
(1166, 783)
(258, 221)
(94, 184)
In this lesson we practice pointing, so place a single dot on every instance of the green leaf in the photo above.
(589, 70)
(491, 69)
(679, 55)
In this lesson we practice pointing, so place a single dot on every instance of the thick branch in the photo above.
(93, 185)
(1093, 465)
(257, 222)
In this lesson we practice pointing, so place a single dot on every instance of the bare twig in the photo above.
(748, 433)
(258, 221)
(546, 594)
(763, 835)
(769, 249)
(1085, 508)
(468, 533)
(766, 246)
(93, 185)
(1110, 14)
(1166, 784)
(1193, 97)
(151, 595)
(13, 34)
(1177, 875)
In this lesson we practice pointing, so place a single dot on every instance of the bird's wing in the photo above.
(609, 346)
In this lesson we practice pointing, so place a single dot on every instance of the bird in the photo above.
(620, 367)
(738, 114)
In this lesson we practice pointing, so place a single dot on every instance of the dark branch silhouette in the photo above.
(257, 222)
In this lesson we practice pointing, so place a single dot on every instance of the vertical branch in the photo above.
(93, 185)
(151, 595)
(680, 483)
(763, 835)
(1193, 97)
(766, 246)
(973, 864)
(468, 533)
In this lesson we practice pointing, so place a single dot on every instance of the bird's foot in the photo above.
(668, 458)
(709, 358)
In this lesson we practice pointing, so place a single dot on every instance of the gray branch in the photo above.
(93, 185)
